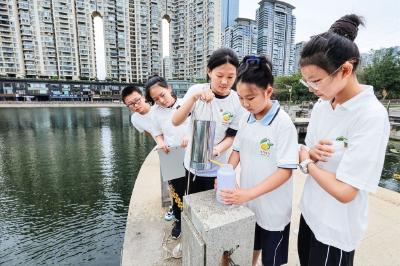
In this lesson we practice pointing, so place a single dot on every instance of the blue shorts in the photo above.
(274, 245)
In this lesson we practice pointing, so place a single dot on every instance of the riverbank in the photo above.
(146, 241)
(59, 104)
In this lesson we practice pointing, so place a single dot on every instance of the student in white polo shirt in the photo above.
(266, 147)
(346, 140)
(133, 98)
(213, 101)
(167, 135)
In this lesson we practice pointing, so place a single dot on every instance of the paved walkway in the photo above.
(147, 243)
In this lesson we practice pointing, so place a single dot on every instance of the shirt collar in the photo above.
(353, 103)
(268, 117)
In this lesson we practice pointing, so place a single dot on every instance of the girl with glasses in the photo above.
(167, 135)
(266, 147)
(346, 143)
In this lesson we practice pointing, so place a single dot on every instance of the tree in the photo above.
(384, 73)
(299, 92)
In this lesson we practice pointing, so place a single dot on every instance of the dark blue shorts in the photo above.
(273, 244)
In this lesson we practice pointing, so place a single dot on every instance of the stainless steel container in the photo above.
(202, 144)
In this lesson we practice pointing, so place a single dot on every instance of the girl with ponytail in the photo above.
(345, 148)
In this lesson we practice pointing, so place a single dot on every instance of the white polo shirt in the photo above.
(142, 122)
(162, 124)
(226, 112)
(264, 146)
(361, 122)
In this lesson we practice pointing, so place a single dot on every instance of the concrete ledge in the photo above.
(146, 229)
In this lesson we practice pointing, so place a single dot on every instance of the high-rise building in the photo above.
(167, 68)
(276, 33)
(242, 37)
(204, 27)
(230, 11)
(55, 38)
(11, 57)
(297, 54)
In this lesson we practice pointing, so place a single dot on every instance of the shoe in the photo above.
(176, 230)
(169, 215)
(177, 251)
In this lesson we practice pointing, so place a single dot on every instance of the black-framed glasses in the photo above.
(134, 102)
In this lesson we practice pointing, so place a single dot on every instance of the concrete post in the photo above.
(222, 233)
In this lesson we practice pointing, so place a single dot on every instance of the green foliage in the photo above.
(299, 92)
(383, 73)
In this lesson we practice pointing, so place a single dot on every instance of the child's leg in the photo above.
(256, 254)
(303, 242)
(201, 183)
(177, 187)
(275, 246)
(258, 236)
(314, 253)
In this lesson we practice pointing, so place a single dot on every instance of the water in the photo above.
(391, 167)
(66, 178)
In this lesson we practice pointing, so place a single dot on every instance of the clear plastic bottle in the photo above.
(226, 179)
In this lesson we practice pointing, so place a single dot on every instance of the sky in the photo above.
(382, 19)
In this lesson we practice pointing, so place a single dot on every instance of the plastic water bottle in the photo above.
(226, 179)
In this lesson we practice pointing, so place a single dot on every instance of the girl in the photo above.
(266, 147)
(346, 140)
(224, 105)
(167, 135)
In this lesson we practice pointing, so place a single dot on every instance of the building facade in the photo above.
(297, 54)
(230, 11)
(276, 33)
(54, 39)
(242, 37)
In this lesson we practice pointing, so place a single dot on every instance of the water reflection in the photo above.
(66, 177)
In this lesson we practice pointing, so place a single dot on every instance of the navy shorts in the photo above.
(315, 253)
(273, 244)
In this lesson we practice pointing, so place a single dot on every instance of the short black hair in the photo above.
(128, 90)
(331, 49)
(155, 80)
(255, 70)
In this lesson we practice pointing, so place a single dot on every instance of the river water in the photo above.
(66, 178)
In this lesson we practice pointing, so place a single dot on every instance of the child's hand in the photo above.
(205, 95)
(216, 151)
(321, 151)
(184, 142)
(163, 147)
(236, 196)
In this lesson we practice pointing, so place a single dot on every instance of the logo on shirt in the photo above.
(344, 140)
(265, 146)
(227, 117)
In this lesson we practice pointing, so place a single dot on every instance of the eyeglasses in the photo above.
(134, 102)
(314, 85)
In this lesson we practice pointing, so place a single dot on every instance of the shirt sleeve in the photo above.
(309, 140)
(287, 145)
(362, 162)
(156, 127)
(135, 124)
(193, 89)
(236, 120)
(237, 140)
